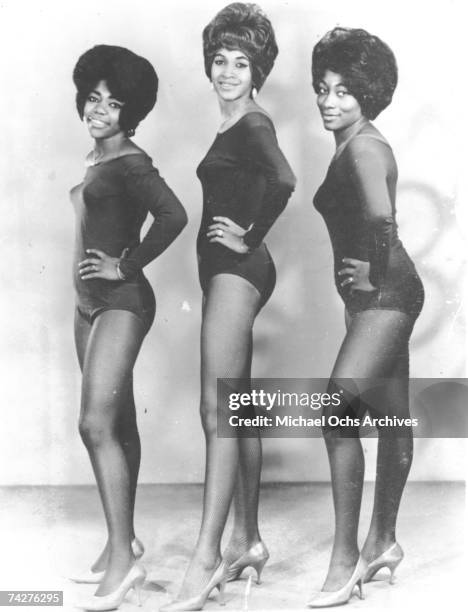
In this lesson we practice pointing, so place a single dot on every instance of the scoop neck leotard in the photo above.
(357, 202)
(111, 205)
(246, 178)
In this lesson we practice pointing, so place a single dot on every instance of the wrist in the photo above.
(120, 274)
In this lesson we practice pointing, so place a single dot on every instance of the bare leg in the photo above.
(245, 531)
(373, 343)
(127, 432)
(229, 312)
(111, 350)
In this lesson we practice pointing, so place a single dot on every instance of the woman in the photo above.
(246, 184)
(115, 304)
(354, 76)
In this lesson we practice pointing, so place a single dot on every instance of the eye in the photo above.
(241, 65)
(218, 61)
(341, 93)
(322, 91)
(116, 105)
(91, 98)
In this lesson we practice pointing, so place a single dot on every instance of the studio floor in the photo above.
(51, 532)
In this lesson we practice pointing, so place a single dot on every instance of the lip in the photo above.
(98, 123)
(329, 116)
(226, 85)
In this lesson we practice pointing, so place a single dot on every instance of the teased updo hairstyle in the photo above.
(130, 79)
(366, 64)
(242, 26)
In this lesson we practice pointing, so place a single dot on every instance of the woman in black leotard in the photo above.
(246, 184)
(354, 75)
(115, 304)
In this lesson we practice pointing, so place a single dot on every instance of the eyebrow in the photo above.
(244, 57)
(111, 97)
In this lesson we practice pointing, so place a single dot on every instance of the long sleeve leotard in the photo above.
(246, 178)
(357, 201)
(111, 205)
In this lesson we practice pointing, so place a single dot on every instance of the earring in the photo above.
(130, 132)
(254, 92)
(211, 86)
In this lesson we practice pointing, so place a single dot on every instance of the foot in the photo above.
(197, 576)
(373, 548)
(117, 568)
(339, 572)
(238, 547)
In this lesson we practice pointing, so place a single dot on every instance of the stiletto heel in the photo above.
(255, 557)
(133, 580)
(391, 558)
(327, 599)
(91, 577)
(137, 587)
(218, 580)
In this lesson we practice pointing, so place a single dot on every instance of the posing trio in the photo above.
(246, 183)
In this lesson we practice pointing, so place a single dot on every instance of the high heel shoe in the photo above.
(325, 599)
(91, 577)
(217, 580)
(391, 558)
(133, 580)
(255, 557)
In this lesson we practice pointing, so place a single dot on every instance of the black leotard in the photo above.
(111, 205)
(246, 178)
(357, 201)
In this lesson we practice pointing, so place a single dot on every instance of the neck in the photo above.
(109, 147)
(235, 108)
(343, 135)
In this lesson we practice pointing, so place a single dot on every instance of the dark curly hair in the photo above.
(242, 26)
(366, 64)
(130, 78)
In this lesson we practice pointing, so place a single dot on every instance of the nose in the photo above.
(329, 100)
(100, 108)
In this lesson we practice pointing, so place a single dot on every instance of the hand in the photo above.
(99, 265)
(228, 233)
(357, 273)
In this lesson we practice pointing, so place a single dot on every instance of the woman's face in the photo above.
(339, 109)
(231, 75)
(102, 112)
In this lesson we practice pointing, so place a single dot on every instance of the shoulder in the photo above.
(256, 119)
(368, 151)
(137, 164)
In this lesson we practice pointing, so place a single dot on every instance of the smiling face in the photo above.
(231, 75)
(339, 108)
(101, 112)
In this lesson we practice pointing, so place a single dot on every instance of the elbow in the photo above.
(180, 218)
(288, 183)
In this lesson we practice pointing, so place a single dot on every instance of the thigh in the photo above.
(113, 345)
(375, 345)
(82, 328)
(229, 312)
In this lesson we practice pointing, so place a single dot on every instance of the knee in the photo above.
(209, 418)
(94, 431)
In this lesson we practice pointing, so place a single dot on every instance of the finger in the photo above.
(223, 220)
(217, 232)
(346, 271)
(219, 239)
(350, 262)
(87, 269)
(347, 281)
(88, 261)
(92, 275)
(124, 253)
(97, 252)
(217, 226)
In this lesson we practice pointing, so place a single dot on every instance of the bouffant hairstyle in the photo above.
(242, 26)
(130, 78)
(366, 64)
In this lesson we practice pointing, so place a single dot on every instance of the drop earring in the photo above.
(254, 93)
(211, 86)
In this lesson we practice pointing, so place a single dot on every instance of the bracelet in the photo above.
(120, 274)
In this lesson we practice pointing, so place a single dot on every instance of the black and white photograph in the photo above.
(234, 305)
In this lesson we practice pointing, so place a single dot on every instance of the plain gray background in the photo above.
(298, 333)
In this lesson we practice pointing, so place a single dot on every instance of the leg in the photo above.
(111, 351)
(372, 345)
(245, 533)
(228, 316)
(394, 457)
(127, 431)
